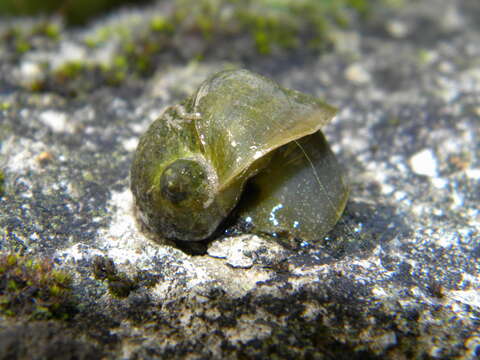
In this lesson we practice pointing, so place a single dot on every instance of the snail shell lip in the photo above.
(233, 125)
(262, 115)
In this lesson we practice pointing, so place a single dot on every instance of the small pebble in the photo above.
(356, 73)
(397, 29)
(424, 163)
(44, 158)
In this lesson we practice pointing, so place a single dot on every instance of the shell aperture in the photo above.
(191, 166)
(302, 192)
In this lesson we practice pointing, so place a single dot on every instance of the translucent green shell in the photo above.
(191, 166)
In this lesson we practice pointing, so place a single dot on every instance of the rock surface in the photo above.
(398, 277)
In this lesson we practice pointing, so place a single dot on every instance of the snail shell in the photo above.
(191, 166)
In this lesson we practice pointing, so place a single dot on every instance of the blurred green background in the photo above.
(187, 30)
(79, 11)
(74, 11)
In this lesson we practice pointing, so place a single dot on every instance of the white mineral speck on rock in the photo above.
(22, 154)
(400, 195)
(469, 297)
(473, 174)
(424, 163)
(439, 183)
(356, 73)
(447, 240)
(30, 72)
(68, 52)
(397, 29)
(387, 189)
(56, 120)
(76, 253)
(130, 144)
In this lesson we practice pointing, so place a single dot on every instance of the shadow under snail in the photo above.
(191, 167)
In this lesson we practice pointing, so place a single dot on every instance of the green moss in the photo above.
(49, 30)
(22, 45)
(271, 26)
(21, 39)
(5, 106)
(161, 24)
(34, 288)
(2, 183)
(69, 70)
(119, 284)
(120, 62)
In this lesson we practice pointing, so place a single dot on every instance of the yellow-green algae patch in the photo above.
(34, 288)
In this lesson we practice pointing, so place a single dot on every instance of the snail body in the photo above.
(192, 165)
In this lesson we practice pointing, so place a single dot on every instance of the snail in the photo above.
(240, 143)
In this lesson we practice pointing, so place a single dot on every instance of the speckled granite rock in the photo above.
(398, 277)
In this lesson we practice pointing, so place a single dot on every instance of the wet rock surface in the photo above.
(398, 277)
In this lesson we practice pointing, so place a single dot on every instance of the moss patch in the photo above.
(2, 183)
(21, 39)
(192, 30)
(34, 288)
(119, 284)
